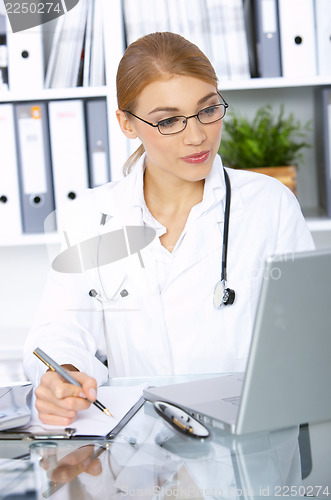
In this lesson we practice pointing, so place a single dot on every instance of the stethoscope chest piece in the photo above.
(223, 296)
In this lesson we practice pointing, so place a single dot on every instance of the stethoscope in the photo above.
(222, 294)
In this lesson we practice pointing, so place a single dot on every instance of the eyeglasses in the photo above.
(176, 124)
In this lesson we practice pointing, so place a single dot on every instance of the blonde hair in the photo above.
(154, 57)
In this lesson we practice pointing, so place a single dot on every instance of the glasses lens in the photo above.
(172, 125)
(212, 113)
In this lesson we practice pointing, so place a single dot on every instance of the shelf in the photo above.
(315, 223)
(270, 83)
(30, 240)
(319, 224)
(86, 92)
(50, 94)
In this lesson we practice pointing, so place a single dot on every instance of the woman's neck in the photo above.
(171, 196)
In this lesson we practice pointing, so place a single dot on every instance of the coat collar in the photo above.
(123, 205)
(125, 198)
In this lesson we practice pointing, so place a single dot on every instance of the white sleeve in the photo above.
(68, 326)
(69, 323)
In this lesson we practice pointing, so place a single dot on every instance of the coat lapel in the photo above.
(205, 236)
(119, 212)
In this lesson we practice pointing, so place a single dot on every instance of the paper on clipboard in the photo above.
(92, 422)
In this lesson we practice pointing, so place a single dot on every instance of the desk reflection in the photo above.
(149, 460)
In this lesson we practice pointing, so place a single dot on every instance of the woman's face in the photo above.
(187, 155)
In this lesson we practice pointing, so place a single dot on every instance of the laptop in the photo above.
(288, 373)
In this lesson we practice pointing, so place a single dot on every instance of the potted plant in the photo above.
(270, 143)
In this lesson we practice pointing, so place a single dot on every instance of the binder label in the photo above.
(32, 149)
(269, 16)
(329, 129)
(100, 168)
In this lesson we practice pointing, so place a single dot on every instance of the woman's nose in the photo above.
(194, 131)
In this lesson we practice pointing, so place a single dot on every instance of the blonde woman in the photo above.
(155, 311)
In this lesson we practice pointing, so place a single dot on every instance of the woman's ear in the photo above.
(126, 125)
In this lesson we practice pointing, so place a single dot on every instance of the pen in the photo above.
(66, 375)
(55, 486)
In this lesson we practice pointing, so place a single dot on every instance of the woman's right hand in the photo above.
(58, 402)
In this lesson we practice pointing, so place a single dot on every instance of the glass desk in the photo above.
(150, 460)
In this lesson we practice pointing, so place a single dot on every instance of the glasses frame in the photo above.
(156, 125)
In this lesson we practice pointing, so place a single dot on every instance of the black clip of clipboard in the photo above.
(70, 432)
(121, 424)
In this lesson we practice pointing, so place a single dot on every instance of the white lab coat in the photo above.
(173, 329)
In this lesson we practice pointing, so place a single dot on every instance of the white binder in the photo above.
(97, 68)
(198, 25)
(25, 59)
(139, 19)
(34, 165)
(297, 36)
(74, 76)
(56, 42)
(88, 45)
(220, 56)
(161, 16)
(3, 53)
(10, 212)
(236, 46)
(70, 45)
(182, 14)
(176, 21)
(323, 36)
(68, 146)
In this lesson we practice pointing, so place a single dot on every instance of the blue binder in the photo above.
(97, 141)
(34, 165)
(323, 136)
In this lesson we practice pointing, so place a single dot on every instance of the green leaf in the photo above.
(269, 139)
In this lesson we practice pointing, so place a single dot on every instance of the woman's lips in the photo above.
(197, 157)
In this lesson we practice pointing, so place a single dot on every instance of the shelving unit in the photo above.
(53, 94)
(25, 260)
(298, 97)
(273, 83)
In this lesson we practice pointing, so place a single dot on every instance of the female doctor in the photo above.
(157, 310)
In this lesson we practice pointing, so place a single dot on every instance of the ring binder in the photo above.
(34, 160)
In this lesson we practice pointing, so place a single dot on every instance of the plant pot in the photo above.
(287, 175)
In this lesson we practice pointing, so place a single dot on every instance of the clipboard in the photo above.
(40, 432)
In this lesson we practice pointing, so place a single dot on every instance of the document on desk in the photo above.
(120, 400)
